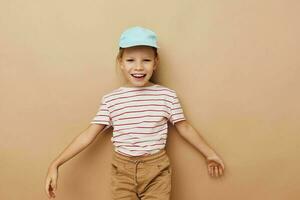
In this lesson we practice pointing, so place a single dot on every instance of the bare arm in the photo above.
(78, 144)
(215, 163)
(193, 137)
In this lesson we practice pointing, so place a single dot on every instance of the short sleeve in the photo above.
(102, 116)
(176, 114)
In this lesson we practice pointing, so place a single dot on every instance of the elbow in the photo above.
(182, 127)
(89, 135)
(84, 139)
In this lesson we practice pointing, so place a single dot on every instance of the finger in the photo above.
(47, 193)
(52, 194)
(209, 170)
(223, 167)
(212, 171)
(220, 162)
(216, 171)
(53, 184)
(220, 171)
(52, 189)
(47, 188)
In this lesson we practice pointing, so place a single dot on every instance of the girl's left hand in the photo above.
(215, 166)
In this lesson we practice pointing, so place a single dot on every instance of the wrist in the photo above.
(54, 165)
(210, 154)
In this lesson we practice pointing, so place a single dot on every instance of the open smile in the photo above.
(138, 76)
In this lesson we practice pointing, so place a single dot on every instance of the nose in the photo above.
(139, 66)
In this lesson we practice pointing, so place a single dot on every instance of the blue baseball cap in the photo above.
(137, 35)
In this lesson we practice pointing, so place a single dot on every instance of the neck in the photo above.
(146, 85)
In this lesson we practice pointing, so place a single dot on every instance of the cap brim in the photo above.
(137, 44)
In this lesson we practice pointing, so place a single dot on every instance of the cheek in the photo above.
(126, 71)
(150, 66)
(128, 66)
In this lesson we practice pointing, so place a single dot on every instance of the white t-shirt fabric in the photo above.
(139, 117)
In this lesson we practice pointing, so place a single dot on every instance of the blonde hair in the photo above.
(119, 58)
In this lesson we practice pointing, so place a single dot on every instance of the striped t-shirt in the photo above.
(139, 117)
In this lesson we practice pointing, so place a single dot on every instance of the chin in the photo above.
(140, 84)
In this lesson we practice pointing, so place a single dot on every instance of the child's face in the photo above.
(137, 64)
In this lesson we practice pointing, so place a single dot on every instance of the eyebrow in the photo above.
(133, 57)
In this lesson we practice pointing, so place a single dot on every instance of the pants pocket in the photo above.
(164, 166)
(114, 167)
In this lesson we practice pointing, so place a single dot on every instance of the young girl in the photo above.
(138, 112)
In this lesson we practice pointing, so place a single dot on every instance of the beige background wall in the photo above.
(234, 65)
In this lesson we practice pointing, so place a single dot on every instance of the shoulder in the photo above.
(165, 88)
(170, 91)
(111, 93)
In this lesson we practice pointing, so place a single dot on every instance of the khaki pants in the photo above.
(141, 177)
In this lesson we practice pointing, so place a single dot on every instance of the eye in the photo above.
(129, 60)
(147, 60)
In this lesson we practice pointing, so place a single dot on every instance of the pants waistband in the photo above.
(135, 159)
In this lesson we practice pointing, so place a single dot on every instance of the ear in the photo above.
(156, 62)
(119, 61)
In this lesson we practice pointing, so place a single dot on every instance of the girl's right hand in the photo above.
(51, 182)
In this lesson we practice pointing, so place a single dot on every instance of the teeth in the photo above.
(138, 75)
